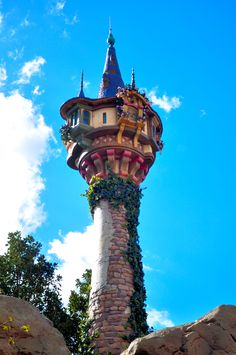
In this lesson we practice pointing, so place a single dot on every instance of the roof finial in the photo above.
(81, 94)
(133, 79)
(110, 39)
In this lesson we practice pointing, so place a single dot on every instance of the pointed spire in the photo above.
(81, 94)
(110, 38)
(111, 78)
(133, 79)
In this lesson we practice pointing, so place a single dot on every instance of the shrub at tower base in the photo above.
(118, 191)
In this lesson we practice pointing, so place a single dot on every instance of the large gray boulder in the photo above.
(41, 337)
(213, 334)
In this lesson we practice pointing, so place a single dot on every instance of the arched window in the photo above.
(86, 117)
(104, 118)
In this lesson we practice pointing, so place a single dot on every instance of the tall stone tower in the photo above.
(112, 141)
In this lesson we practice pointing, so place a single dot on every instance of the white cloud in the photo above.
(147, 268)
(37, 92)
(86, 84)
(57, 8)
(71, 21)
(164, 102)
(25, 22)
(60, 5)
(12, 32)
(1, 20)
(76, 254)
(29, 69)
(65, 34)
(16, 53)
(203, 112)
(23, 148)
(157, 319)
(3, 75)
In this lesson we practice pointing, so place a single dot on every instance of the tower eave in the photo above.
(93, 103)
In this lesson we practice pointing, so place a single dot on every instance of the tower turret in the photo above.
(119, 129)
(114, 138)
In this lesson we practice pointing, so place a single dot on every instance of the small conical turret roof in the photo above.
(81, 93)
(132, 79)
(111, 78)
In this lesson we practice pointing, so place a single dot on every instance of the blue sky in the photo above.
(184, 56)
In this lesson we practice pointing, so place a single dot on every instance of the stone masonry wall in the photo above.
(112, 281)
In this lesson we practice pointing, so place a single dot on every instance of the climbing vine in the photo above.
(118, 191)
(66, 134)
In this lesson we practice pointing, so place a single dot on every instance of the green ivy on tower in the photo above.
(118, 191)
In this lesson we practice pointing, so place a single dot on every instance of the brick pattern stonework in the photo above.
(109, 304)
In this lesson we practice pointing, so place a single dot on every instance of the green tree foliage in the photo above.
(78, 309)
(26, 274)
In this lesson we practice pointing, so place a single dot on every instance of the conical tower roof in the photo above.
(81, 93)
(111, 78)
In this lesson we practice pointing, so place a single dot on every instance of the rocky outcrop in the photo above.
(213, 334)
(24, 331)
